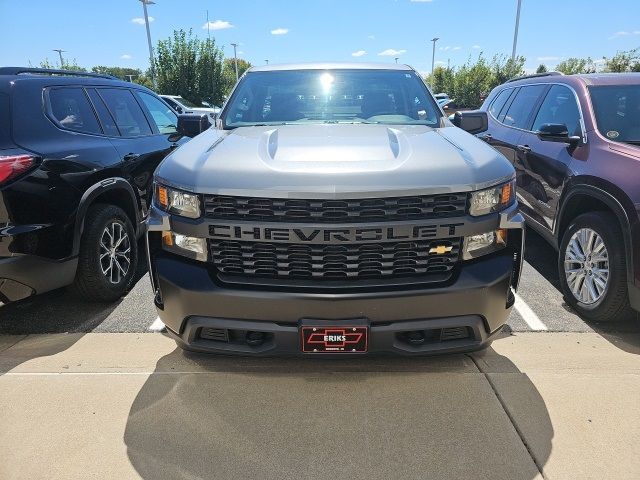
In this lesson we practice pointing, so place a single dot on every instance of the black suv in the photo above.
(77, 155)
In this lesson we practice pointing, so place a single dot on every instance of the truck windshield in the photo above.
(617, 110)
(394, 97)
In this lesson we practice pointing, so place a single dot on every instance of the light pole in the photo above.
(515, 33)
(146, 22)
(266, 61)
(60, 53)
(433, 54)
(235, 58)
(396, 59)
(131, 77)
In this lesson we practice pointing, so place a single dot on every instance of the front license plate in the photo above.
(334, 339)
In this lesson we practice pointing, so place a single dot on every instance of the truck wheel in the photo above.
(592, 268)
(108, 255)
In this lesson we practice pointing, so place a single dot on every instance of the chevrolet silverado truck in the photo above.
(334, 209)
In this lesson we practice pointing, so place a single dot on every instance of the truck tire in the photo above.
(108, 255)
(592, 268)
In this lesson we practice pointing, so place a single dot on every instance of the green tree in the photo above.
(472, 81)
(122, 73)
(66, 65)
(209, 72)
(175, 65)
(628, 61)
(442, 80)
(542, 68)
(192, 68)
(505, 68)
(573, 65)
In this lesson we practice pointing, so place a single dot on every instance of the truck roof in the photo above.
(330, 66)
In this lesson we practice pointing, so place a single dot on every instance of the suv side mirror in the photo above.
(472, 121)
(557, 132)
(192, 124)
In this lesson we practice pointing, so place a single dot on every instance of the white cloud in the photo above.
(456, 48)
(359, 53)
(421, 1)
(218, 25)
(476, 47)
(440, 62)
(390, 52)
(126, 56)
(549, 58)
(140, 20)
(240, 53)
(371, 37)
(448, 47)
(280, 31)
(624, 33)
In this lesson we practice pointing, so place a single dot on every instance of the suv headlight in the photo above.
(177, 202)
(492, 199)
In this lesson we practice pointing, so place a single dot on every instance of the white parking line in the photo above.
(529, 315)
(156, 326)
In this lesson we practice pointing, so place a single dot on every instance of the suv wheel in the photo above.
(108, 255)
(592, 268)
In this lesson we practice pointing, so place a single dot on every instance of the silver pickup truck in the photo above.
(334, 209)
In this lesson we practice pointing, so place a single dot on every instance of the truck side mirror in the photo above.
(472, 121)
(191, 125)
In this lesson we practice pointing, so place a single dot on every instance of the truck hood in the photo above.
(334, 161)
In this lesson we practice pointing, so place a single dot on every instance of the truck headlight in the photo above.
(492, 199)
(177, 202)
(192, 247)
(484, 243)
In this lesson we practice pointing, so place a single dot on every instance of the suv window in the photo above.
(499, 101)
(108, 124)
(559, 106)
(125, 110)
(522, 106)
(617, 110)
(163, 117)
(72, 110)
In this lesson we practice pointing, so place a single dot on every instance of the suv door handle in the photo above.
(486, 137)
(524, 148)
(130, 157)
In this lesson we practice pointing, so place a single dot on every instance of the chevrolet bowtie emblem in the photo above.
(440, 249)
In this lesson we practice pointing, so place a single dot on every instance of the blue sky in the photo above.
(110, 32)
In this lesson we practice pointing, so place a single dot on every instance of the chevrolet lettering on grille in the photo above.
(339, 235)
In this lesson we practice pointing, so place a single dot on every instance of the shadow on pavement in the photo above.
(543, 257)
(369, 417)
(59, 311)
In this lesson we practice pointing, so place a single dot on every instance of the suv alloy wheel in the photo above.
(592, 268)
(108, 254)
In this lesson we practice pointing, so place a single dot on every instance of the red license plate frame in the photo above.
(334, 339)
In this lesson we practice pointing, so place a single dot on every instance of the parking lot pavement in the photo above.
(539, 306)
(533, 406)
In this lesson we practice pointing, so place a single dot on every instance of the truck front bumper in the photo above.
(464, 314)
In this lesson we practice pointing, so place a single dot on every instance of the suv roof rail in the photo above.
(535, 75)
(52, 71)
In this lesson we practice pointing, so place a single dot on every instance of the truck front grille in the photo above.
(333, 262)
(289, 210)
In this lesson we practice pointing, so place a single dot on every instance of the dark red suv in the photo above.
(575, 144)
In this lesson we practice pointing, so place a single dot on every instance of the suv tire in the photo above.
(592, 268)
(108, 255)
